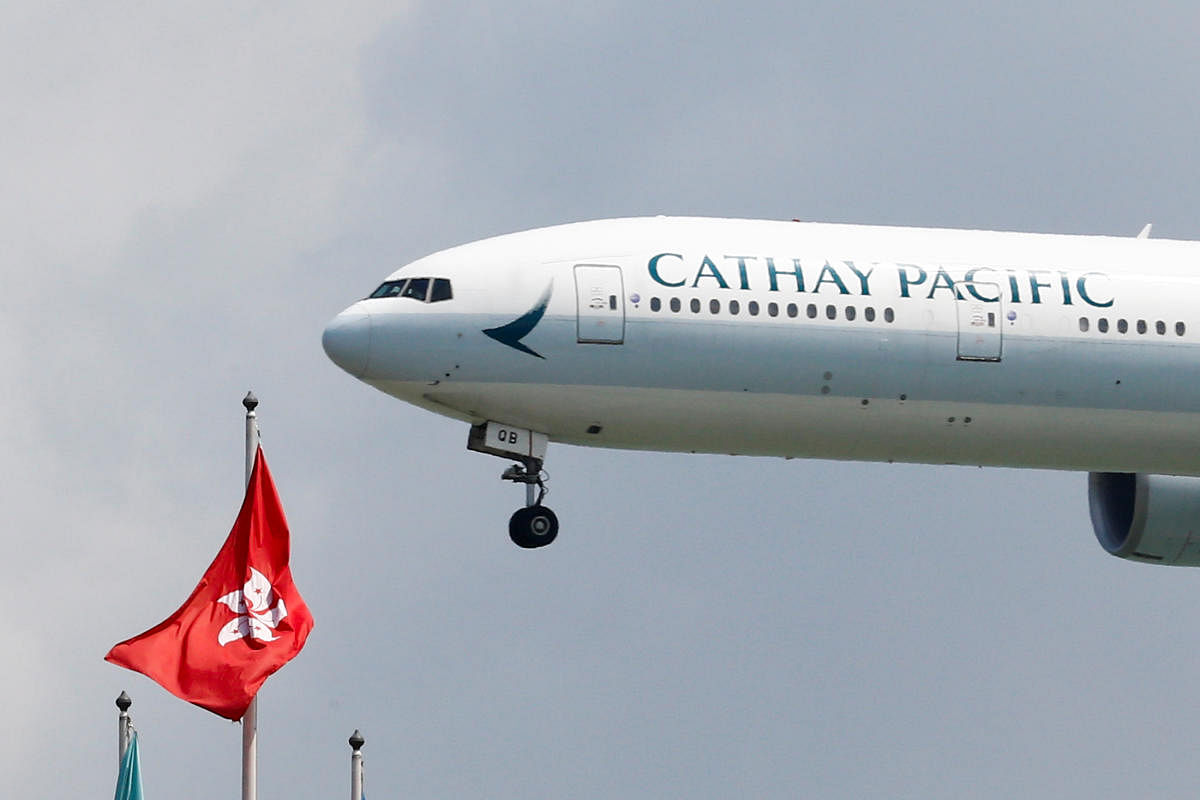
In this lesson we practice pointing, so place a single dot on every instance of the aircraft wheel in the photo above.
(533, 526)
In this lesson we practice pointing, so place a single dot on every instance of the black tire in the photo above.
(533, 526)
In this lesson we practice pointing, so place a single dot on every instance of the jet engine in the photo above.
(1150, 518)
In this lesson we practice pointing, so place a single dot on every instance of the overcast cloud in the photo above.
(192, 193)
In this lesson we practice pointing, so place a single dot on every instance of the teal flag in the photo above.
(129, 780)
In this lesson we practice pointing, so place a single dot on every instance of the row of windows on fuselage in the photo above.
(812, 311)
(1122, 326)
(427, 290)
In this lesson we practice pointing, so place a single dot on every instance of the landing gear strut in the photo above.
(534, 525)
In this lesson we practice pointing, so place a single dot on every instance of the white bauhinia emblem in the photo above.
(259, 610)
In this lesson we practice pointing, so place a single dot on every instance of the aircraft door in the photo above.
(600, 296)
(980, 335)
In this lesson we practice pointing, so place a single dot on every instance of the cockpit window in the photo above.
(417, 289)
(427, 290)
(441, 290)
(389, 289)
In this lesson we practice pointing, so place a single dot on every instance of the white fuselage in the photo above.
(806, 340)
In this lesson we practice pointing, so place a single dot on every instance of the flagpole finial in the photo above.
(250, 402)
(124, 726)
(357, 741)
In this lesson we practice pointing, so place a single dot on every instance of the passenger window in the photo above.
(752, 307)
(831, 312)
(1179, 329)
(695, 304)
(1083, 324)
(811, 311)
(889, 315)
(869, 313)
(675, 304)
(1122, 326)
(441, 290)
(851, 313)
(773, 309)
(1160, 327)
(792, 310)
(417, 288)
(714, 306)
(1102, 325)
(655, 304)
(1141, 326)
(734, 307)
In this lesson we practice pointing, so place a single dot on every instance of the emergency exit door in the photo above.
(980, 335)
(600, 301)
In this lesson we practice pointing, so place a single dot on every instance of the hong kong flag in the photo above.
(244, 620)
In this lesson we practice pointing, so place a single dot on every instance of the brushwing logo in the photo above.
(512, 333)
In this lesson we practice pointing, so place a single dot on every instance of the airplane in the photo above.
(811, 340)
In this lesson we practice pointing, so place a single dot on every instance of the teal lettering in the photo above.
(712, 272)
(1012, 285)
(969, 280)
(741, 262)
(833, 278)
(1066, 287)
(653, 267)
(1035, 286)
(1081, 288)
(905, 281)
(773, 274)
(942, 281)
(863, 277)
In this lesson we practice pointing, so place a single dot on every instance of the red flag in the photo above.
(244, 620)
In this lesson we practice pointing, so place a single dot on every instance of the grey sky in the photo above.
(192, 193)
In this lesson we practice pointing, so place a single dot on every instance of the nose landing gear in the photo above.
(534, 525)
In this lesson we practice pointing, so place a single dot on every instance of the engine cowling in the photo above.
(1149, 518)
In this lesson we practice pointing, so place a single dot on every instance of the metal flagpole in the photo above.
(356, 765)
(250, 718)
(124, 724)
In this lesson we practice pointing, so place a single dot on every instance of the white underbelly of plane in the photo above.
(826, 426)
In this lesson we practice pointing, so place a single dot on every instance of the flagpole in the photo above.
(123, 726)
(250, 718)
(356, 765)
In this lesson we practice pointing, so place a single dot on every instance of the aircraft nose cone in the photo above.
(347, 341)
